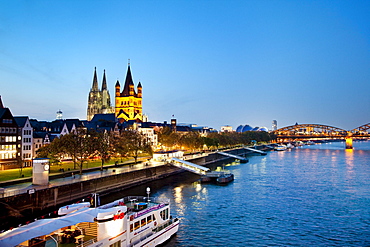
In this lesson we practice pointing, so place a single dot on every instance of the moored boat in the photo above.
(225, 178)
(130, 221)
(280, 148)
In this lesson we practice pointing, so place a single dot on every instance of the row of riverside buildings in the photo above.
(21, 137)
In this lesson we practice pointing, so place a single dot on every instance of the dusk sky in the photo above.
(210, 63)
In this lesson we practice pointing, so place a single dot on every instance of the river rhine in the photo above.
(315, 195)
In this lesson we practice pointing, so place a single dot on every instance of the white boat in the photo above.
(131, 221)
(290, 146)
(280, 148)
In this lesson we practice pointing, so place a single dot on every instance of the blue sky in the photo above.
(211, 63)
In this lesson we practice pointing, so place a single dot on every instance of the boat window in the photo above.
(131, 227)
(137, 225)
(143, 222)
(116, 244)
(149, 219)
(164, 214)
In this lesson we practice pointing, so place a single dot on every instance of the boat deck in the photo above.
(85, 233)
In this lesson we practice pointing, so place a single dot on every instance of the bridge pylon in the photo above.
(349, 141)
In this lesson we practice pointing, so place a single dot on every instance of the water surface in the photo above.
(312, 196)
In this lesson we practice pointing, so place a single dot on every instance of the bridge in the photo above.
(319, 131)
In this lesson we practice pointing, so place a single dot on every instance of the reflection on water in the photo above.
(312, 196)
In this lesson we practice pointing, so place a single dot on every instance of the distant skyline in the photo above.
(211, 63)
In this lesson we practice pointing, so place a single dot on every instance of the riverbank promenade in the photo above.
(20, 186)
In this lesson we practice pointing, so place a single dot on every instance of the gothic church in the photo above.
(99, 100)
(128, 102)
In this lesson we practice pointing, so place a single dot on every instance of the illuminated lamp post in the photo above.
(148, 192)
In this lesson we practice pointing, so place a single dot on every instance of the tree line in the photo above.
(84, 144)
(196, 141)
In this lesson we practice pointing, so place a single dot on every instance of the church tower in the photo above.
(128, 102)
(99, 100)
(106, 105)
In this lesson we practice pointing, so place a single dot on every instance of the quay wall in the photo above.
(27, 206)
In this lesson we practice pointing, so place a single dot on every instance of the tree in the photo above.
(191, 140)
(54, 151)
(168, 138)
(120, 146)
(101, 143)
(79, 145)
(135, 142)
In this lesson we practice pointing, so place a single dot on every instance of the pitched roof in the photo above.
(1, 103)
(39, 134)
(21, 121)
(128, 82)
(104, 117)
(2, 112)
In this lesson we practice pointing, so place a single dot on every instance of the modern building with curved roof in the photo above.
(247, 127)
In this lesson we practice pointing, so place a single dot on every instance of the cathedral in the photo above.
(99, 100)
(128, 102)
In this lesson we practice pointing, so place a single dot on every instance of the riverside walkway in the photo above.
(28, 187)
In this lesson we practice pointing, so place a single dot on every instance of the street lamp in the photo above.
(148, 192)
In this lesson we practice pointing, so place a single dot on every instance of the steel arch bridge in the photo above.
(312, 131)
(362, 130)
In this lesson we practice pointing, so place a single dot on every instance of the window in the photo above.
(149, 219)
(137, 225)
(131, 227)
(143, 222)
(116, 244)
(164, 214)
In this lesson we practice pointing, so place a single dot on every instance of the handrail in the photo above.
(88, 242)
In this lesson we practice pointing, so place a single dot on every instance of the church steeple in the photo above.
(129, 84)
(104, 86)
(128, 104)
(95, 82)
(139, 90)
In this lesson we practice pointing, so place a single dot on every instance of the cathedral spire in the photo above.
(95, 82)
(104, 86)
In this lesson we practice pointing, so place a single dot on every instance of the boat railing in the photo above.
(131, 199)
(161, 227)
(88, 242)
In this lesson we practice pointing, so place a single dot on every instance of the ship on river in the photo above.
(130, 221)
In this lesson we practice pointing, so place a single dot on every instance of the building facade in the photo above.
(128, 102)
(150, 136)
(26, 132)
(274, 125)
(10, 140)
(226, 128)
(99, 100)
